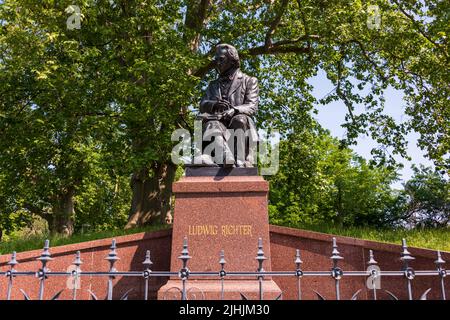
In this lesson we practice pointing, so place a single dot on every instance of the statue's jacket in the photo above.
(243, 96)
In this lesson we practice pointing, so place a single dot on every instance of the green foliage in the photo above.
(321, 180)
(428, 195)
(81, 110)
(103, 203)
(35, 226)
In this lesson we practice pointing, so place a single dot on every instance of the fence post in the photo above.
(147, 272)
(260, 258)
(373, 273)
(336, 272)
(222, 273)
(442, 272)
(76, 274)
(10, 274)
(408, 271)
(184, 272)
(298, 272)
(112, 258)
(42, 273)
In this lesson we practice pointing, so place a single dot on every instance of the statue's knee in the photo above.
(239, 121)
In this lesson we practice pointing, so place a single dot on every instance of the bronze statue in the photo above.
(230, 102)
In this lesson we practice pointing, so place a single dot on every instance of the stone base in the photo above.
(216, 213)
(220, 213)
(212, 290)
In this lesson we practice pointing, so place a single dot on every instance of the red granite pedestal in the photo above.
(220, 213)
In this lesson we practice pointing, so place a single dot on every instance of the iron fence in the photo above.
(184, 274)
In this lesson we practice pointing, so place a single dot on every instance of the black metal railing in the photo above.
(184, 274)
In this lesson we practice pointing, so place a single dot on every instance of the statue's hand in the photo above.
(228, 114)
(221, 105)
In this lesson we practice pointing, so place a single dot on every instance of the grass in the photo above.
(436, 239)
(37, 242)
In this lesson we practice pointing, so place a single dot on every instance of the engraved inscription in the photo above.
(226, 230)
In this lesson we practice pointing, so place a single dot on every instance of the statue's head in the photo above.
(226, 58)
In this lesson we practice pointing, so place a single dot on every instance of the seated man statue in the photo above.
(230, 102)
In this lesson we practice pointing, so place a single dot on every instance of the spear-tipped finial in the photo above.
(405, 247)
(405, 255)
(222, 263)
(371, 261)
(298, 260)
(439, 262)
(77, 262)
(148, 261)
(184, 271)
(13, 262)
(112, 256)
(335, 255)
(185, 252)
(260, 255)
(45, 255)
(222, 260)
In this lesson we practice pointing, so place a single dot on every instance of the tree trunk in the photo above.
(63, 217)
(151, 195)
(152, 189)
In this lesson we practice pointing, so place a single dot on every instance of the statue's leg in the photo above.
(240, 125)
(215, 144)
(253, 141)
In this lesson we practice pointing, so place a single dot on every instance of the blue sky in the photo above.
(331, 117)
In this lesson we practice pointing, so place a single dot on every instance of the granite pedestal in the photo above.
(214, 213)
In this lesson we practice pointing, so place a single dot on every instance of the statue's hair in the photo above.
(231, 52)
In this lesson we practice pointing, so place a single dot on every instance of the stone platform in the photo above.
(212, 290)
(221, 213)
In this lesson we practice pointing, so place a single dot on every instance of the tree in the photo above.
(321, 181)
(428, 199)
(135, 68)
